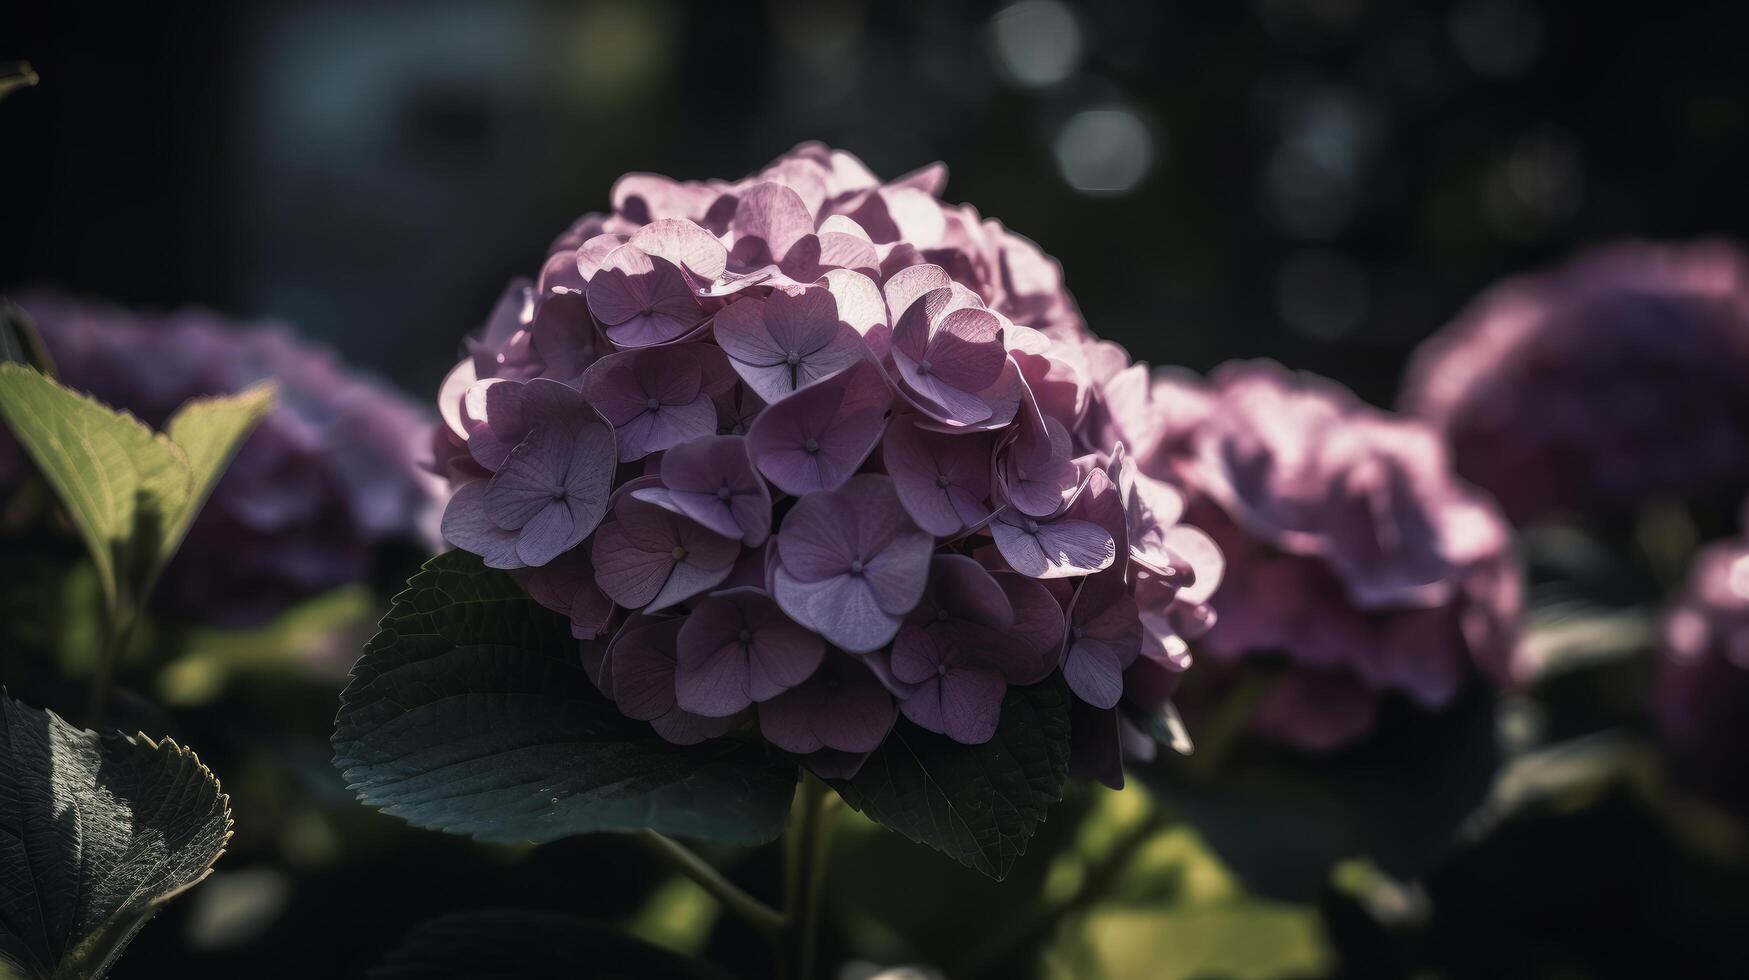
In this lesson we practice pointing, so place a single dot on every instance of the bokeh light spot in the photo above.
(1036, 43)
(1105, 151)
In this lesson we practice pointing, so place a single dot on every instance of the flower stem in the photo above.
(805, 847)
(1097, 877)
(732, 897)
(1226, 725)
(117, 630)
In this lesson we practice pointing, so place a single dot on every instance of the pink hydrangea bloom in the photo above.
(1345, 542)
(1703, 666)
(857, 471)
(1594, 387)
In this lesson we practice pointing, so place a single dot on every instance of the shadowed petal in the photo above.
(841, 707)
(628, 574)
(466, 526)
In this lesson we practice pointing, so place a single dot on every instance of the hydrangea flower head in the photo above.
(1703, 666)
(855, 466)
(649, 557)
(737, 647)
(850, 564)
(330, 477)
(711, 480)
(1592, 388)
(1345, 542)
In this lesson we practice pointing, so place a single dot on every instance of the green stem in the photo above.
(1223, 728)
(1097, 878)
(118, 629)
(732, 897)
(805, 846)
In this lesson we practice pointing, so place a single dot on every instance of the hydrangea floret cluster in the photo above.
(1595, 387)
(809, 452)
(331, 475)
(1702, 691)
(1350, 549)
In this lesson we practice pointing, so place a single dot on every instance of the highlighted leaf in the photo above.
(131, 492)
(119, 480)
(209, 431)
(97, 832)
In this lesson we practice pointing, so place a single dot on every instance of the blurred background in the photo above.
(1324, 182)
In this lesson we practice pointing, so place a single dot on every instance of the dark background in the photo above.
(1321, 181)
(1326, 181)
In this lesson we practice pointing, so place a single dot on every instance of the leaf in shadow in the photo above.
(97, 832)
(470, 712)
(978, 804)
(1281, 819)
(19, 341)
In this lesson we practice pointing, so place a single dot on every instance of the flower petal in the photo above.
(628, 574)
(467, 526)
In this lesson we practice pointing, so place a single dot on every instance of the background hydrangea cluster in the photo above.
(334, 471)
(1595, 387)
(811, 451)
(1351, 549)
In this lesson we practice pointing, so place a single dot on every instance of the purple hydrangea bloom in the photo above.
(331, 476)
(549, 490)
(553, 487)
(712, 480)
(948, 353)
(943, 481)
(649, 558)
(751, 344)
(1105, 637)
(655, 399)
(1035, 469)
(639, 675)
(788, 341)
(850, 564)
(643, 292)
(1597, 386)
(736, 648)
(1703, 665)
(1349, 546)
(567, 586)
(841, 707)
(948, 348)
(816, 439)
(1081, 538)
(958, 651)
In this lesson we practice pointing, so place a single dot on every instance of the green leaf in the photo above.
(132, 493)
(978, 804)
(120, 481)
(514, 943)
(471, 713)
(19, 341)
(97, 832)
(1244, 939)
(209, 431)
(302, 644)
